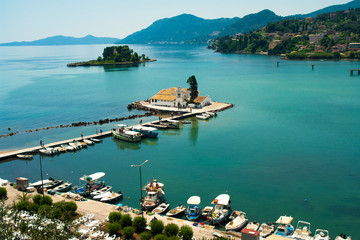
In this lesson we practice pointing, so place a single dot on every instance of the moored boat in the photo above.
(88, 142)
(321, 234)
(111, 198)
(252, 226)
(95, 140)
(207, 211)
(222, 209)
(161, 208)
(93, 182)
(123, 133)
(149, 132)
(63, 187)
(203, 116)
(266, 229)
(302, 231)
(176, 211)
(284, 227)
(75, 144)
(47, 151)
(155, 195)
(342, 236)
(193, 211)
(169, 123)
(238, 221)
(102, 195)
(25, 156)
(40, 182)
(68, 147)
(101, 191)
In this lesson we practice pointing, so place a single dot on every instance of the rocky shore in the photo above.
(96, 63)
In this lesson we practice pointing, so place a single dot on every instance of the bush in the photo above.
(126, 220)
(128, 232)
(22, 205)
(160, 237)
(47, 200)
(145, 236)
(33, 207)
(139, 224)
(36, 199)
(44, 210)
(186, 232)
(114, 217)
(175, 238)
(172, 229)
(157, 227)
(3, 193)
(70, 207)
(113, 228)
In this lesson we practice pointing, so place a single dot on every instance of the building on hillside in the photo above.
(178, 97)
(316, 38)
(354, 46)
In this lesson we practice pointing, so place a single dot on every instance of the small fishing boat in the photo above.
(59, 149)
(95, 140)
(123, 133)
(321, 234)
(203, 116)
(93, 182)
(252, 226)
(155, 195)
(53, 184)
(102, 195)
(25, 156)
(161, 208)
(342, 236)
(88, 142)
(266, 229)
(149, 132)
(222, 209)
(176, 211)
(83, 144)
(284, 226)
(238, 222)
(47, 151)
(75, 144)
(111, 198)
(68, 147)
(169, 123)
(207, 211)
(302, 231)
(212, 114)
(101, 191)
(63, 187)
(194, 211)
(186, 122)
(40, 182)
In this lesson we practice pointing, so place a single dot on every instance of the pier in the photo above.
(180, 113)
(354, 70)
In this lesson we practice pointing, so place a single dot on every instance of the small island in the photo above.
(115, 55)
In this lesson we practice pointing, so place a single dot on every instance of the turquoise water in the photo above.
(291, 144)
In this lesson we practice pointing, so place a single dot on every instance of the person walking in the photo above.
(100, 131)
(97, 132)
(82, 136)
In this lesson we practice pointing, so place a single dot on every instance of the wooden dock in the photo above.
(155, 123)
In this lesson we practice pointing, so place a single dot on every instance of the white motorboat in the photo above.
(63, 187)
(75, 144)
(194, 211)
(101, 191)
(252, 226)
(222, 209)
(88, 142)
(212, 114)
(284, 226)
(93, 182)
(155, 195)
(68, 147)
(161, 208)
(149, 132)
(302, 231)
(321, 234)
(25, 156)
(203, 116)
(266, 230)
(112, 197)
(238, 222)
(102, 195)
(39, 183)
(95, 140)
(176, 211)
(207, 211)
(342, 237)
(47, 151)
(59, 149)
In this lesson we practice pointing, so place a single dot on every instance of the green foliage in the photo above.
(63, 210)
(120, 54)
(33, 207)
(3, 193)
(156, 227)
(160, 237)
(193, 86)
(126, 220)
(139, 224)
(114, 217)
(23, 197)
(171, 229)
(22, 205)
(186, 232)
(36, 198)
(145, 236)
(47, 200)
(128, 232)
(113, 228)
(44, 210)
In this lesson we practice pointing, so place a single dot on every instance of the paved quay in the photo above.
(182, 113)
(101, 212)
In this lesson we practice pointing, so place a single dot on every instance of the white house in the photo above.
(177, 97)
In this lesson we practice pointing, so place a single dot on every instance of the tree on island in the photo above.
(193, 88)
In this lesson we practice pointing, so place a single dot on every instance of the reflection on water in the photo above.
(123, 145)
(150, 141)
(118, 68)
(194, 130)
(172, 132)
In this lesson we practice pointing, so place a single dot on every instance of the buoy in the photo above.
(129, 198)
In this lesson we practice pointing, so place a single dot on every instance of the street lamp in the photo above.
(42, 180)
(142, 214)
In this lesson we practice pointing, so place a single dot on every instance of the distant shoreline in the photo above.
(95, 63)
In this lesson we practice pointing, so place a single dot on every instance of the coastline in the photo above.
(95, 63)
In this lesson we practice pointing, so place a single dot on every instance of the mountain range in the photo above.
(187, 29)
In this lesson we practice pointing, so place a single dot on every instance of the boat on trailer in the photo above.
(193, 211)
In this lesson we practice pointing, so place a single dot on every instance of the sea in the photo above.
(289, 146)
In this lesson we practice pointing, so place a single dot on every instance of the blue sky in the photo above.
(27, 20)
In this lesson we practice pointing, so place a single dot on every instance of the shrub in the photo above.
(70, 207)
(44, 210)
(33, 207)
(173, 238)
(145, 236)
(126, 220)
(22, 205)
(3, 193)
(186, 232)
(139, 224)
(114, 217)
(160, 237)
(36, 199)
(128, 232)
(172, 229)
(46, 200)
(113, 228)
(157, 227)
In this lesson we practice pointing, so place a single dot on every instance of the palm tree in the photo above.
(24, 197)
